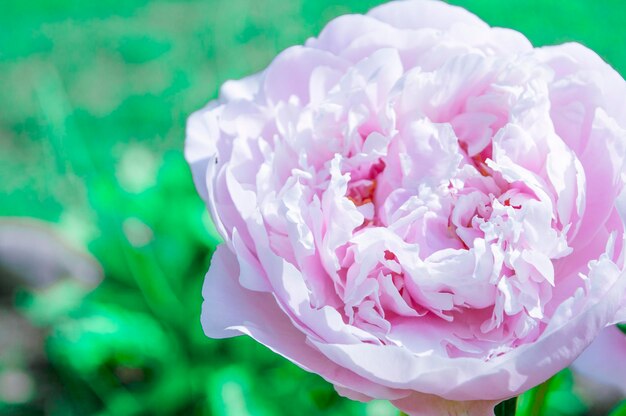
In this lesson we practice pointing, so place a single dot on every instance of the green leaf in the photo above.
(532, 402)
(619, 410)
(506, 408)
(555, 397)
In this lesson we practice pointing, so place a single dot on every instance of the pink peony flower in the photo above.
(417, 207)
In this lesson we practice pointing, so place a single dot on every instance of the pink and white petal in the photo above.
(418, 14)
(605, 359)
(573, 57)
(230, 310)
(574, 326)
(290, 73)
(603, 159)
(418, 404)
(461, 24)
(339, 33)
(242, 89)
(202, 134)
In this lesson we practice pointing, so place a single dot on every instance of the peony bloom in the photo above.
(417, 207)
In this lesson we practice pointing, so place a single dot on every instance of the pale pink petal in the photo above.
(230, 310)
(605, 359)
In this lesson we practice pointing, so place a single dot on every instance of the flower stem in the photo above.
(532, 402)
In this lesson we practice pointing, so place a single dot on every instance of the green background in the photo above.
(93, 102)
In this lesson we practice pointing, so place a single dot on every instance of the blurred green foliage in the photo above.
(94, 100)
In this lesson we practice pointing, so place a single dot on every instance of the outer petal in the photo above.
(414, 14)
(200, 144)
(290, 72)
(505, 376)
(573, 58)
(342, 31)
(463, 25)
(425, 405)
(203, 130)
(418, 404)
(230, 310)
(605, 359)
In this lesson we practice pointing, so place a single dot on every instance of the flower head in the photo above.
(417, 207)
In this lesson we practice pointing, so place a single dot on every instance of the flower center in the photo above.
(362, 189)
(361, 192)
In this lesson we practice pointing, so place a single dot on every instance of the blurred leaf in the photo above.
(620, 409)
(47, 306)
(104, 334)
(229, 392)
(380, 408)
(323, 396)
(506, 408)
(555, 397)
(532, 402)
(565, 402)
(141, 49)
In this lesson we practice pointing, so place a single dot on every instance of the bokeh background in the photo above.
(103, 241)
